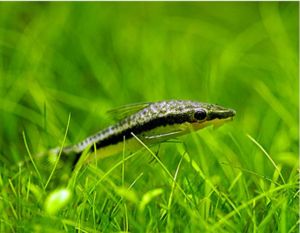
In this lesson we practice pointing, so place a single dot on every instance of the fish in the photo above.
(151, 123)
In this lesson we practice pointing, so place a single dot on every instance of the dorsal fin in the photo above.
(124, 111)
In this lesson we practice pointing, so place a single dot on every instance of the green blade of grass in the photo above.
(60, 152)
(31, 159)
(268, 156)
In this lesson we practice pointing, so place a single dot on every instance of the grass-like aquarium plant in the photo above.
(64, 65)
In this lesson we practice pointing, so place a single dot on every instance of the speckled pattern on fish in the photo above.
(154, 115)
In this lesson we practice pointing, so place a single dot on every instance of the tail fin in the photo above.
(67, 157)
(75, 160)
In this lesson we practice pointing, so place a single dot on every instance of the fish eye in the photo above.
(200, 115)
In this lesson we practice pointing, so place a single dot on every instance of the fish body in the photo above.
(151, 123)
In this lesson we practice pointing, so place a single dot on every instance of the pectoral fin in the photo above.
(164, 136)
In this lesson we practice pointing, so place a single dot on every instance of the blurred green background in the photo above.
(83, 59)
(86, 58)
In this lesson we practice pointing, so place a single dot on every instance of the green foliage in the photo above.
(82, 59)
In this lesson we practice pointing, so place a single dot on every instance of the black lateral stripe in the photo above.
(139, 128)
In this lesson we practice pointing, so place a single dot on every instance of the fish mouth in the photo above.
(224, 114)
